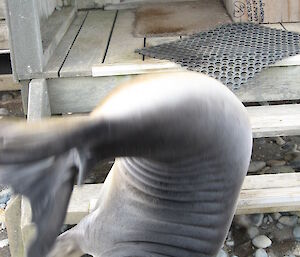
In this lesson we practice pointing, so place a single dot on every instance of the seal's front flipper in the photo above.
(42, 164)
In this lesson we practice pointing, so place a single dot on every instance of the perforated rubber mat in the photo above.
(231, 53)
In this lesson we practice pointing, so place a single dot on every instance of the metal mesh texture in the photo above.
(231, 53)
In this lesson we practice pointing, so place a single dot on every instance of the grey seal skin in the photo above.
(183, 144)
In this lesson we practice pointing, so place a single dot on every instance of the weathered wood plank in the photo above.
(90, 45)
(80, 94)
(261, 193)
(123, 43)
(60, 53)
(2, 9)
(4, 44)
(7, 83)
(276, 120)
(54, 29)
(272, 84)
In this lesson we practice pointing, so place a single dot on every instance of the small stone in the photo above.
(296, 250)
(256, 166)
(222, 253)
(3, 243)
(289, 146)
(270, 218)
(296, 233)
(276, 215)
(260, 253)
(273, 163)
(5, 196)
(6, 97)
(266, 220)
(279, 141)
(289, 221)
(252, 232)
(279, 226)
(230, 243)
(280, 169)
(4, 112)
(261, 241)
(291, 156)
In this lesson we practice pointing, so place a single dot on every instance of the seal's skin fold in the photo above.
(183, 143)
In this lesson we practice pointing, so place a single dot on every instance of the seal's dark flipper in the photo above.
(45, 176)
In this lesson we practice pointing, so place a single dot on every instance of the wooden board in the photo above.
(2, 9)
(272, 84)
(56, 61)
(266, 11)
(260, 194)
(123, 44)
(4, 45)
(276, 120)
(90, 45)
(54, 29)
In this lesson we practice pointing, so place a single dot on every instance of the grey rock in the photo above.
(256, 166)
(292, 156)
(279, 226)
(5, 196)
(289, 221)
(222, 253)
(280, 169)
(279, 141)
(273, 163)
(270, 218)
(252, 232)
(296, 233)
(4, 112)
(6, 97)
(261, 241)
(289, 146)
(276, 215)
(249, 220)
(260, 253)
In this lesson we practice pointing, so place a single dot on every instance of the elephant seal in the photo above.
(183, 144)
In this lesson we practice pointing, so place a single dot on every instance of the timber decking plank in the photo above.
(90, 45)
(123, 43)
(276, 120)
(56, 61)
(260, 193)
(4, 45)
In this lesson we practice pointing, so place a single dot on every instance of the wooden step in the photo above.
(2, 9)
(260, 194)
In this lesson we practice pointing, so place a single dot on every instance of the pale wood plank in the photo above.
(123, 43)
(274, 26)
(292, 26)
(261, 193)
(7, 83)
(272, 84)
(2, 9)
(278, 120)
(3, 35)
(90, 45)
(54, 29)
(58, 57)
(271, 181)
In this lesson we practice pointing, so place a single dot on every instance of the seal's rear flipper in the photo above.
(44, 170)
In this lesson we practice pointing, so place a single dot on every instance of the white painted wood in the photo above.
(276, 120)
(4, 44)
(56, 61)
(141, 67)
(38, 100)
(295, 26)
(90, 45)
(123, 43)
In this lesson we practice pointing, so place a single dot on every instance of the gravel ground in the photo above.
(259, 235)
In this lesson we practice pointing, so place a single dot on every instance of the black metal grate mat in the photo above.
(231, 53)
